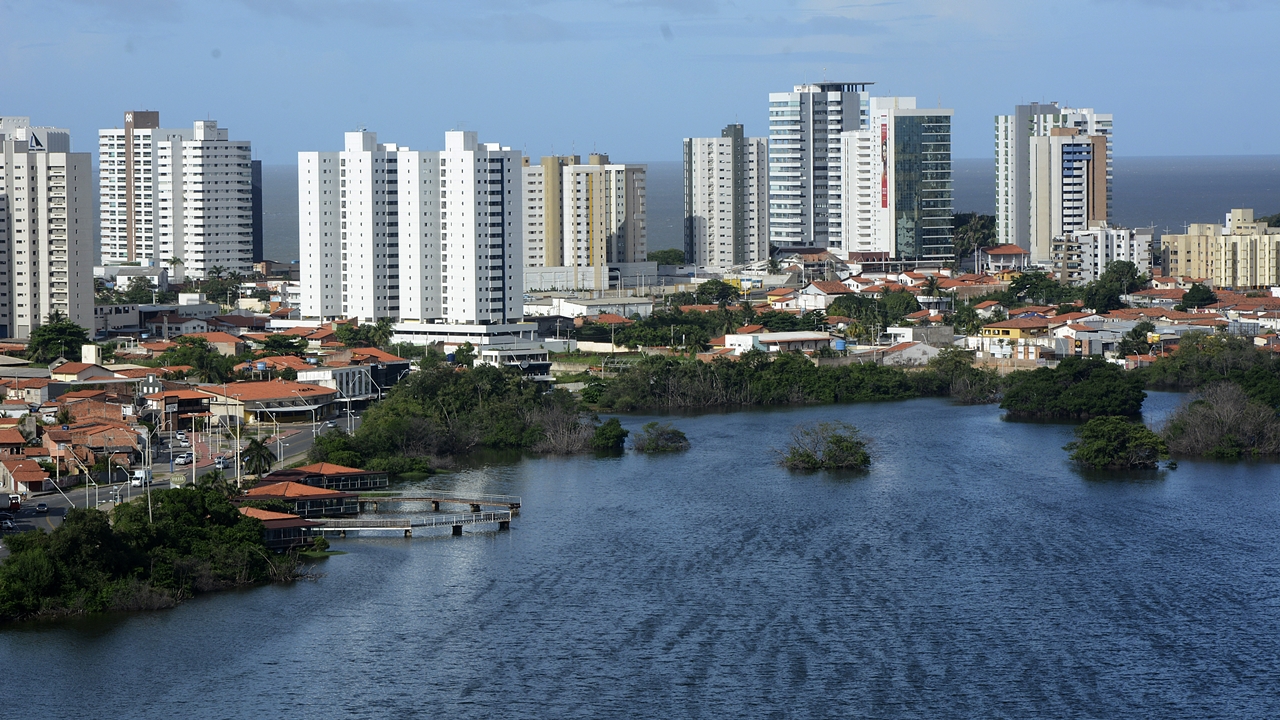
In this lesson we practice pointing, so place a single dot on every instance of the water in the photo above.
(972, 573)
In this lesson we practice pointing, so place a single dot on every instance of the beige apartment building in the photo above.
(1241, 254)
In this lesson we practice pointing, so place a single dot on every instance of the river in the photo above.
(971, 574)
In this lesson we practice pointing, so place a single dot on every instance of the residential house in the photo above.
(11, 443)
(778, 342)
(70, 372)
(988, 308)
(19, 475)
(226, 345)
(908, 354)
(819, 294)
(1004, 258)
(178, 409)
(171, 325)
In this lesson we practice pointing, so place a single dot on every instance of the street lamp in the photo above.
(313, 412)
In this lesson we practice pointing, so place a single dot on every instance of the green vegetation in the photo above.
(871, 315)
(1224, 423)
(375, 335)
(281, 344)
(58, 337)
(1077, 389)
(1205, 359)
(1116, 443)
(827, 446)
(1197, 296)
(657, 437)
(667, 257)
(197, 543)
(208, 364)
(610, 436)
(257, 457)
(973, 231)
(1272, 220)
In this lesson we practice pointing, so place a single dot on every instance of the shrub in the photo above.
(657, 438)
(1077, 389)
(1116, 443)
(610, 436)
(827, 446)
(1223, 423)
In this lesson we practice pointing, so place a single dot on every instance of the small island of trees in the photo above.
(832, 445)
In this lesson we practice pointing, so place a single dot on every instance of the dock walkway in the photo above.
(456, 522)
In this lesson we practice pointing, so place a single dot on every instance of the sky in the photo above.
(631, 78)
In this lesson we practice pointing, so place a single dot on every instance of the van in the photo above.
(140, 478)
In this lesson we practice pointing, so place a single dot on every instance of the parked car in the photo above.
(42, 507)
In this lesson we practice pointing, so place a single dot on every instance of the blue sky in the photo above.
(632, 77)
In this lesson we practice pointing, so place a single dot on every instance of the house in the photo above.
(908, 354)
(178, 408)
(785, 300)
(331, 476)
(11, 443)
(237, 324)
(1031, 326)
(777, 342)
(80, 372)
(24, 476)
(226, 345)
(171, 325)
(989, 308)
(282, 531)
(819, 294)
(306, 500)
(1005, 258)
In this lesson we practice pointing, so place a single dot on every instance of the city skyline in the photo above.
(506, 65)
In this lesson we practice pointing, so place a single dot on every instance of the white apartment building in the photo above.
(1032, 205)
(897, 197)
(1082, 256)
(180, 197)
(580, 215)
(417, 236)
(726, 198)
(805, 181)
(46, 236)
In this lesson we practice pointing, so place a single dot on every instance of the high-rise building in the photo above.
(176, 196)
(46, 236)
(1242, 253)
(897, 196)
(726, 199)
(1069, 185)
(258, 226)
(1082, 256)
(805, 181)
(584, 215)
(413, 235)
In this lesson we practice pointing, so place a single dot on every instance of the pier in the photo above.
(475, 501)
(502, 518)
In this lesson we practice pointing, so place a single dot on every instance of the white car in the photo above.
(181, 435)
(183, 459)
(220, 463)
(183, 442)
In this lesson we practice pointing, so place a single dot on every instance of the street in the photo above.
(294, 439)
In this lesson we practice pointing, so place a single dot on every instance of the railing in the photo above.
(461, 498)
(495, 516)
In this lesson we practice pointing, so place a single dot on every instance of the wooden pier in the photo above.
(502, 518)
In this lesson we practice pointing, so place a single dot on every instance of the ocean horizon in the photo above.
(1164, 192)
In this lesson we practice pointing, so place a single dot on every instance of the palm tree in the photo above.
(257, 458)
(930, 286)
(216, 481)
(380, 333)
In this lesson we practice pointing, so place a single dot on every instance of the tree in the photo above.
(1135, 342)
(1224, 423)
(930, 286)
(283, 344)
(1103, 296)
(657, 437)
(1078, 388)
(1272, 220)
(714, 292)
(1125, 274)
(57, 338)
(667, 257)
(1198, 296)
(139, 291)
(256, 457)
(895, 306)
(381, 332)
(827, 446)
(465, 355)
(973, 231)
(207, 363)
(1116, 443)
(609, 436)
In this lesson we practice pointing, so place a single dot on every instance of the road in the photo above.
(294, 439)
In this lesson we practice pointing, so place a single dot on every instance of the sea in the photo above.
(1166, 193)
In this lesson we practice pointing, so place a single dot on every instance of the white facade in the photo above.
(726, 200)
(805, 181)
(897, 196)
(583, 215)
(205, 202)
(1015, 181)
(1082, 256)
(168, 195)
(417, 236)
(46, 239)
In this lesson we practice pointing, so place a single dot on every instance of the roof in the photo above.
(289, 489)
(901, 346)
(11, 436)
(178, 395)
(1004, 250)
(986, 304)
(217, 336)
(325, 468)
(1021, 323)
(75, 368)
(261, 514)
(276, 362)
(749, 329)
(267, 390)
(830, 287)
(82, 395)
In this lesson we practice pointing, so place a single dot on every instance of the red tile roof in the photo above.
(325, 468)
(217, 336)
(831, 287)
(267, 390)
(11, 436)
(289, 489)
(1004, 250)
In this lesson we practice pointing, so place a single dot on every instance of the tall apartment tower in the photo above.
(584, 215)
(413, 235)
(805, 181)
(726, 199)
(46, 236)
(1082, 194)
(897, 197)
(170, 195)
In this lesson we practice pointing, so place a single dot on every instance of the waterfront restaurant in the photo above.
(281, 531)
(330, 476)
(307, 501)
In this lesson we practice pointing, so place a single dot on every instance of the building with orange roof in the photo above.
(272, 401)
(24, 476)
(331, 476)
(12, 442)
(819, 294)
(226, 344)
(307, 500)
(283, 531)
